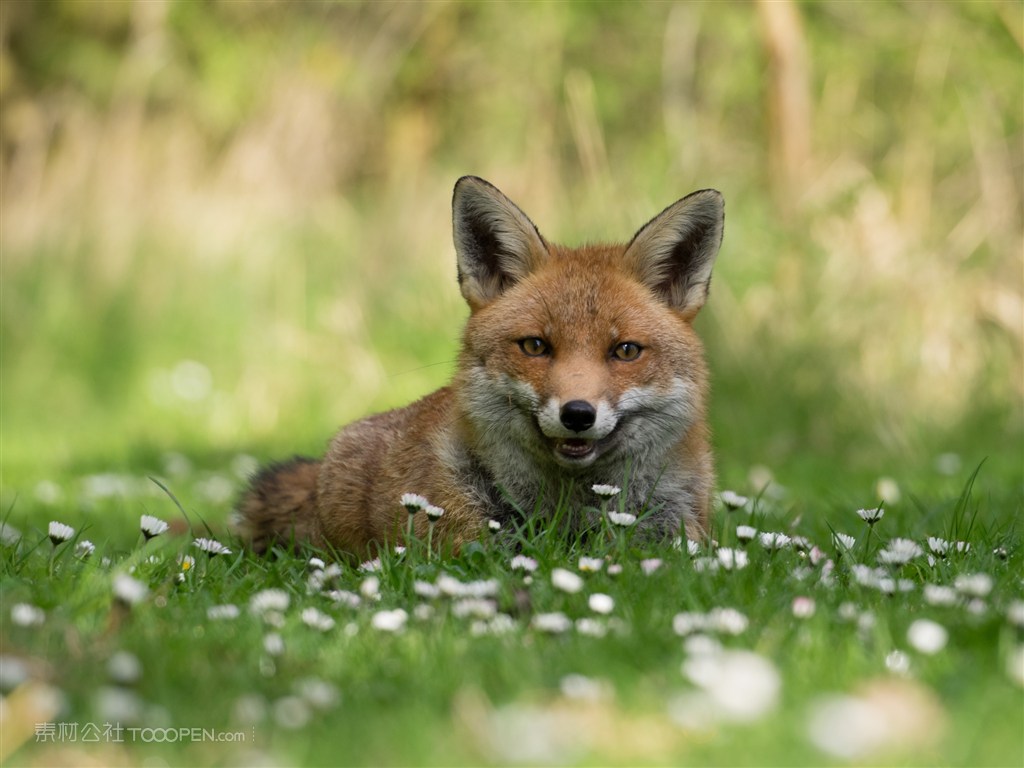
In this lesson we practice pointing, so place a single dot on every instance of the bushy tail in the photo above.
(280, 505)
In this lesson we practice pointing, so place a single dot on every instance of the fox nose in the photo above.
(578, 415)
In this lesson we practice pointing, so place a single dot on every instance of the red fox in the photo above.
(579, 366)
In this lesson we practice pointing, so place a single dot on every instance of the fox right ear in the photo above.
(496, 244)
(674, 252)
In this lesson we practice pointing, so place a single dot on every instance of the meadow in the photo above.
(226, 231)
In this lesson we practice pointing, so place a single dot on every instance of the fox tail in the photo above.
(280, 505)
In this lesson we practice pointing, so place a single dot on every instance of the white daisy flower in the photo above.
(582, 688)
(746, 533)
(187, 562)
(606, 491)
(59, 532)
(344, 597)
(973, 584)
(802, 543)
(321, 694)
(426, 589)
(1015, 613)
(152, 526)
(962, 547)
(899, 552)
(128, 590)
(733, 500)
(493, 526)
(705, 565)
(692, 547)
(9, 535)
(843, 542)
(688, 622)
(211, 547)
(84, 548)
(927, 636)
(269, 600)
(369, 588)
(696, 645)
(48, 492)
(452, 587)
(316, 619)
(124, 668)
(434, 513)
(890, 586)
(1015, 665)
(650, 565)
(26, 615)
(554, 623)
(977, 607)
(501, 624)
(590, 564)
(888, 490)
(292, 713)
(848, 611)
(938, 546)
(614, 569)
(940, 595)
(871, 516)
(474, 607)
(316, 564)
(371, 566)
(625, 519)
(728, 621)
(774, 541)
(741, 686)
(803, 607)
(567, 581)
(413, 502)
(224, 612)
(850, 728)
(315, 583)
(866, 622)
(731, 559)
(523, 563)
(601, 603)
(591, 627)
(273, 644)
(897, 662)
(389, 621)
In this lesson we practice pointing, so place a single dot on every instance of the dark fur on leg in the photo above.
(280, 505)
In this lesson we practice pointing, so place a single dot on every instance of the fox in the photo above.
(579, 366)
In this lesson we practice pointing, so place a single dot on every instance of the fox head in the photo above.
(585, 358)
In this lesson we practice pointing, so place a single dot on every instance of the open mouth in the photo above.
(574, 448)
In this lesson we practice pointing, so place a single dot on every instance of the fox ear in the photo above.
(673, 253)
(496, 244)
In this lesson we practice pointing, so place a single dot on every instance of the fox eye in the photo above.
(627, 350)
(533, 346)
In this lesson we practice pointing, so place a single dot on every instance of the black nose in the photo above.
(578, 415)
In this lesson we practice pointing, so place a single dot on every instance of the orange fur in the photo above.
(605, 329)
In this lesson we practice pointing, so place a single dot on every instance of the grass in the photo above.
(473, 677)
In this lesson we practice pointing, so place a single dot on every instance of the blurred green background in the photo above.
(226, 225)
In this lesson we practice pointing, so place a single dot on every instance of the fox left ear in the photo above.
(674, 252)
(496, 244)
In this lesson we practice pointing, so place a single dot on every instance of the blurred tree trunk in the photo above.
(789, 100)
